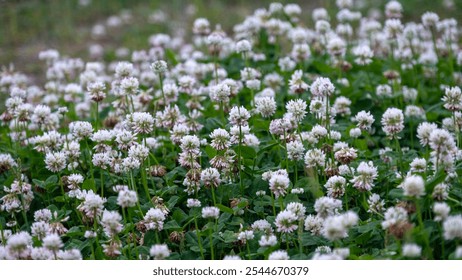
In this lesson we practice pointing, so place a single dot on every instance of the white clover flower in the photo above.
(220, 93)
(43, 215)
(124, 69)
(423, 132)
(336, 227)
(319, 14)
(297, 109)
(231, 258)
(139, 152)
(327, 206)
(97, 90)
(414, 186)
(154, 219)
(336, 46)
(220, 139)
(243, 46)
(411, 250)
(367, 173)
(210, 177)
(192, 202)
(298, 209)
(52, 242)
(342, 106)
(111, 223)
(335, 186)
(72, 254)
(458, 252)
(314, 158)
(129, 86)
(6, 162)
(245, 235)
(19, 245)
(393, 216)
(159, 66)
(452, 227)
(159, 251)
(279, 184)
(80, 129)
(376, 204)
(286, 64)
(239, 116)
(441, 140)
(296, 84)
(364, 120)
(127, 198)
(268, 241)
(210, 212)
(201, 26)
(266, 106)
(452, 98)
(278, 255)
(393, 28)
(141, 122)
(363, 54)
(314, 224)
(295, 150)
(262, 225)
(322, 87)
(393, 9)
(92, 205)
(286, 222)
(322, 26)
(418, 165)
(41, 253)
(430, 19)
(40, 229)
(56, 161)
(392, 122)
(441, 211)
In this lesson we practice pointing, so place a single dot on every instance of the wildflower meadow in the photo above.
(298, 134)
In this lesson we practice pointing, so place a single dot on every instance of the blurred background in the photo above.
(77, 28)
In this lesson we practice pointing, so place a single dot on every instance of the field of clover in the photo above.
(300, 135)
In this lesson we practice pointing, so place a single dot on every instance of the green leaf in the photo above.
(438, 178)
(396, 193)
(312, 240)
(59, 199)
(39, 183)
(171, 56)
(173, 225)
(53, 179)
(172, 202)
(210, 151)
(225, 209)
(229, 236)
(88, 184)
(149, 238)
(247, 152)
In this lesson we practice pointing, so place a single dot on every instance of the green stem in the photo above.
(273, 203)
(211, 244)
(162, 89)
(127, 254)
(239, 161)
(248, 249)
(96, 116)
(90, 163)
(199, 241)
(213, 196)
(101, 182)
(422, 227)
(300, 232)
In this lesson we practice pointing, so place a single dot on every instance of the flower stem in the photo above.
(199, 241)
